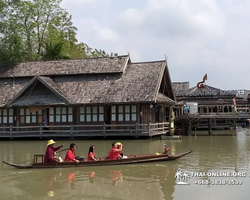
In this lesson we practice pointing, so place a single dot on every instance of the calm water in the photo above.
(145, 181)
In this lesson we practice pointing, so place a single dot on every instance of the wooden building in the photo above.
(94, 91)
(209, 99)
(215, 107)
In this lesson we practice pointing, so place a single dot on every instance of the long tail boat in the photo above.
(102, 161)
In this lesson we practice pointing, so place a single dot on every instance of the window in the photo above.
(127, 113)
(101, 113)
(88, 114)
(26, 116)
(33, 117)
(82, 114)
(113, 111)
(94, 116)
(133, 113)
(58, 114)
(11, 113)
(62, 114)
(120, 113)
(70, 114)
(51, 115)
(5, 116)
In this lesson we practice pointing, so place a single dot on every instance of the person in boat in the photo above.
(49, 154)
(119, 145)
(91, 153)
(70, 155)
(166, 149)
(114, 152)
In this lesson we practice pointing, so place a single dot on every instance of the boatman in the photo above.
(49, 154)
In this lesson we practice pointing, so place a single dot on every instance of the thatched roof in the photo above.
(59, 67)
(180, 86)
(131, 83)
(207, 96)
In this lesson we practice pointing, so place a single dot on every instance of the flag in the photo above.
(166, 147)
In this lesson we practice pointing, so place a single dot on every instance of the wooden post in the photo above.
(148, 128)
(209, 127)
(234, 123)
(190, 126)
(104, 130)
(71, 131)
(10, 131)
(136, 130)
(183, 127)
(40, 131)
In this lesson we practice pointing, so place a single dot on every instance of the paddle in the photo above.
(33, 158)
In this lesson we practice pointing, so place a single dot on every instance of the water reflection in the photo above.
(142, 181)
(152, 182)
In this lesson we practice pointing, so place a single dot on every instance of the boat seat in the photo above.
(38, 158)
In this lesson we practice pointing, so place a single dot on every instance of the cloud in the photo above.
(209, 36)
(177, 18)
(105, 34)
(77, 3)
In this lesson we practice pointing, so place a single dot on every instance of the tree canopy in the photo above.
(39, 29)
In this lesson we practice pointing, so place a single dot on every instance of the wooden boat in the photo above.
(174, 137)
(102, 161)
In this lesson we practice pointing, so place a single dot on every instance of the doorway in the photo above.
(46, 118)
(108, 116)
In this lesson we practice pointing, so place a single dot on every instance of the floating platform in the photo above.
(174, 137)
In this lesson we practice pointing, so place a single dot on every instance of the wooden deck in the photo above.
(215, 115)
(83, 131)
(212, 121)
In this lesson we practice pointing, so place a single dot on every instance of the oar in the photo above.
(63, 150)
(33, 158)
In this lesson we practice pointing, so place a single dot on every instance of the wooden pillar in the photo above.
(209, 126)
(214, 122)
(183, 127)
(190, 126)
(234, 123)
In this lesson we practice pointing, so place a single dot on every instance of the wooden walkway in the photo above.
(85, 131)
(191, 121)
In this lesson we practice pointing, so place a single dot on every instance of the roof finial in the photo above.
(128, 54)
(166, 58)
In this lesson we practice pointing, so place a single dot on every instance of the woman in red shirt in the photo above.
(114, 153)
(91, 153)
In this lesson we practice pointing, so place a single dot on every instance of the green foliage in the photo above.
(53, 51)
(39, 29)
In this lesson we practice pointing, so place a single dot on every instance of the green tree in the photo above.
(39, 29)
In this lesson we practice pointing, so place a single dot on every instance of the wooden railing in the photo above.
(73, 131)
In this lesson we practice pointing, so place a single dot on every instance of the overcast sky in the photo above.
(197, 36)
